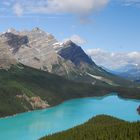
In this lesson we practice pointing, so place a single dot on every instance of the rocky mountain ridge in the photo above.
(39, 49)
(29, 62)
(35, 49)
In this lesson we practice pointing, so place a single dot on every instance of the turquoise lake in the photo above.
(33, 125)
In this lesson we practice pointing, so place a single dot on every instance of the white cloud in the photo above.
(76, 39)
(130, 2)
(79, 7)
(114, 60)
(18, 9)
(71, 6)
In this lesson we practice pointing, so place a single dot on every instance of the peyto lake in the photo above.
(33, 125)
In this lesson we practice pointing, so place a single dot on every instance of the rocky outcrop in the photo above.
(138, 110)
(36, 102)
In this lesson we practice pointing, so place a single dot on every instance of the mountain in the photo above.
(100, 128)
(37, 71)
(39, 49)
(131, 71)
(74, 53)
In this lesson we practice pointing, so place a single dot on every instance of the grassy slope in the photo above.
(21, 80)
(100, 128)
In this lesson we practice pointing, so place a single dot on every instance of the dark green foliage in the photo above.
(54, 89)
(101, 128)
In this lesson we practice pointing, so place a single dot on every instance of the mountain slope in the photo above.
(39, 49)
(70, 51)
(6, 58)
(28, 62)
(35, 49)
(100, 128)
(23, 88)
(89, 71)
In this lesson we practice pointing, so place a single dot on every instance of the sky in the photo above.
(109, 26)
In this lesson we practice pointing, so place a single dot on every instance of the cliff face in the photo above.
(14, 41)
(71, 51)
(35, 48)
(6, 57)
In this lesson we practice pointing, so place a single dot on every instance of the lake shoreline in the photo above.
(66, 115)
(101, 96)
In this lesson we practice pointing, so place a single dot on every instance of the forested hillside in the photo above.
(101, 128)
(23, 88)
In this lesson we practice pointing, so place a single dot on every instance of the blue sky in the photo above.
(109, 25)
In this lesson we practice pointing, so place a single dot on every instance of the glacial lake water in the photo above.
(33, 125)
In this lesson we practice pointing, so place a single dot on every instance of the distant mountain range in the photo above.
(37, 71)
(131, 72)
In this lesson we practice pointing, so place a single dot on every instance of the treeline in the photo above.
(22, 80)
(100, 128)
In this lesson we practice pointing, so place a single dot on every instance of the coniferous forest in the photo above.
(100, 128)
